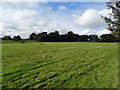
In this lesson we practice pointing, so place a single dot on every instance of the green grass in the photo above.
(60, 65)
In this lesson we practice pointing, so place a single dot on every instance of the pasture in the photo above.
(59, 65)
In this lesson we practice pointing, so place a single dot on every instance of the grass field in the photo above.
(60, 65)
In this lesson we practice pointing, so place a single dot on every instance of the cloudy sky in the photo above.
(24, 18)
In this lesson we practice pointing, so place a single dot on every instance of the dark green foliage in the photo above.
(108, 38)
(41, 37)
(114, 20)
(6, 38)
(93, 38)
(32, 36)
(71, 37)
(83, 38)
(16, 38)
(53, 37)
(62, 38)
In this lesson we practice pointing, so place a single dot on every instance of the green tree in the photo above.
(63, 38)
(83, 38)
(17, 38)
(32, 36)
(93, 38)
(53, 37)
(70, 37)
(107, 38)
(114, 20)
(41, 37)
(7, 38)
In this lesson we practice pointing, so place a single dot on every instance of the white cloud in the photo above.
(105, 12)
(89, 19)
(104, 31)
(85, 32)
(62, 8)
(24, 18)
(23, 22)
(27, 18)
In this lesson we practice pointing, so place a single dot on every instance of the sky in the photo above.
(24, 18)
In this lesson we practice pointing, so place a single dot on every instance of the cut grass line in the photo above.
(65, 71)
(85, 71)
(48, 64)
(24, 71)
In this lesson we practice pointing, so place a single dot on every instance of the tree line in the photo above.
(69, 37)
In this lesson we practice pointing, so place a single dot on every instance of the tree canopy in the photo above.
(17, 38)
(72, 37)
(69, 37)
(114, 20)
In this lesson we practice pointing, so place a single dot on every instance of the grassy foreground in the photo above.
(60, 65)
